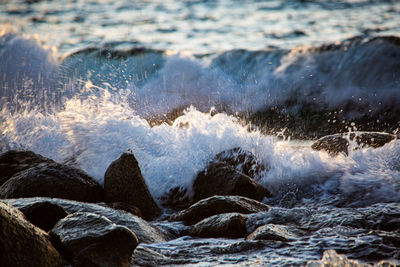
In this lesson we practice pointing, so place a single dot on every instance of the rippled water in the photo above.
(179, 81)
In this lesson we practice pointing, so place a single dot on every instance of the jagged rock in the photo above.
(14, 161)
(273, 232)
(339, 143)
(53, 180)
(217, 205)
(228, 225)
(23, 244)
(123, 182)
(221, 179)
(44, 214)
(144, 231)
(89, 239)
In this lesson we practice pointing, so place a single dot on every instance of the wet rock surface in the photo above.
(222, 179)
(14, 161)
(217, 205)
(23, 244)
(123, 182)
(228, 225)
(144, 231)
(44, 214)
(53, 180)
(273, 232)
(339, 143)
(89, 239)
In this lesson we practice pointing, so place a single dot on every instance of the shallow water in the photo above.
(179, 81)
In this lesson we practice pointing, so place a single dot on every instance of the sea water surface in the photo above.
(179, 81)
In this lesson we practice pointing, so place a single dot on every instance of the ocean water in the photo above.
(179, 81)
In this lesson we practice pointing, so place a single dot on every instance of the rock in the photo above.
(176, 199)
(125, 207)
(273, 232)
(123, 182)
(89, 239)
(44, 214)
(217, 205)
(241, 160)
(221, 179)
(23, 244)
(14, 161)
(145, 232)
(339, 143)
(53, 180)
(228, 225)
(331, 259)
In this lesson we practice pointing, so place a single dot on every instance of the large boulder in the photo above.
(216, 205)
(14, 161)
(44, 214)
(53, 180)
(222, 179)
(144, 231)
(23, 244)
(228, 225)
(89, 239)
(339, 143)
(273, 232)
(123, 182)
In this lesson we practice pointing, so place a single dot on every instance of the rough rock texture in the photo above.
(176, 199)
(14, 161)
(273, 232)
(23, 244)
(144, 231)
(339, 143)
(217, 205)
(44, 214)
(53, 180)
(222, 179)
(83, 237)
(228, 225)
(123, 182)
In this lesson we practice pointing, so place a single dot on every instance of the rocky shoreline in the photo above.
(56, 215)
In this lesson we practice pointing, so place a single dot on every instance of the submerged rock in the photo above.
(23, 244)
(89, 239)
(273, 232)
(144, 231)
(14, 161)
(228, 225)
(44, 214)
(123, 182)
(53, 180)
(217, 205)
(339, 143)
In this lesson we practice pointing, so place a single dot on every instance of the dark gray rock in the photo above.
(89, 239)
(217, 205)
(14, 161)
(273, 232)
(228, 225)
(339, 143)
(23, 244)
(125, 207)
(53, 180)
(144, 231)
(222, 179)
(123, 182)
(44, 214)
(176, 199)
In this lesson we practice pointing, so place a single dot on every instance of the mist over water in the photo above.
(178, 82)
